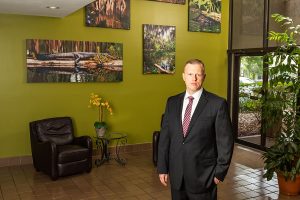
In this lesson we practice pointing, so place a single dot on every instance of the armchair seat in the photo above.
(55, 149)
(71, 153)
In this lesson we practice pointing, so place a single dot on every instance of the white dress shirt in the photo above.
(196, 96)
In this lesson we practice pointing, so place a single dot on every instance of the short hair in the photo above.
(195, 61)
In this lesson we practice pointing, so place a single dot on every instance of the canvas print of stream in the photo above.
(158, 49)
(73, 61)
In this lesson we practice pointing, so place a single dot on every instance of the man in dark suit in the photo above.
(196, 139)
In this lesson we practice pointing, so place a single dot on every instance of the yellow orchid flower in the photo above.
(95, 101)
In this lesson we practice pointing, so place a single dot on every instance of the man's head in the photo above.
(193, 75)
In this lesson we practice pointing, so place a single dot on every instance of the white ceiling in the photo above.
(39, 7)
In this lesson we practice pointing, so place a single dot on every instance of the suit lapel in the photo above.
(199, 108)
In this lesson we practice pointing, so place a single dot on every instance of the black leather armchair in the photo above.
(55, 150)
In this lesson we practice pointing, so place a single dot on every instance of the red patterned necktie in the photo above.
(187, 116)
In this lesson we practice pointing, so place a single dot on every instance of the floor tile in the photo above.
(137, 180)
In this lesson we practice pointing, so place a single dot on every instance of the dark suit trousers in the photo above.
(183, 194)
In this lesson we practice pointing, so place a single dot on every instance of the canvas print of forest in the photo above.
(108, 14)
(171, 1)
(158, 49)
(205, 16)
(73, 61)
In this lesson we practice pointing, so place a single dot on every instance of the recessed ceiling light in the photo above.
(52, 7)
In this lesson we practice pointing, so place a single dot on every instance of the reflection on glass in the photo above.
(247, 25)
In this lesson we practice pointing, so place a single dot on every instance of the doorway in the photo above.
(247, 100)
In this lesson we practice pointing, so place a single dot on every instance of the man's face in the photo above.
(193, 76)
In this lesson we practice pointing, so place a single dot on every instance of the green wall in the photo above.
(138, 100)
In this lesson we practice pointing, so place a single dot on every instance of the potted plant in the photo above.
(282, 158)
(100, 104)
(280, 107)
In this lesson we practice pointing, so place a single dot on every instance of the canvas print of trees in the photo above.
(73, 61)
(108, 14)
(171, 1)
(205, 16)
(158, 49)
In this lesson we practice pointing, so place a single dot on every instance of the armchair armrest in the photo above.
(45, 157)
(85, 141)
(45, 148)
(155, 141)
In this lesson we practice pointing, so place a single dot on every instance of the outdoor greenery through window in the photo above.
(250, 84)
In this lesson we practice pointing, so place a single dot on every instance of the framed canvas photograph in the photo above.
(108, 14)
(158, 49)
(171, 1)
(73, 61)
(204, 16)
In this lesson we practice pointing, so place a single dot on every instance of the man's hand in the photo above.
(217, 181)
(163, 179)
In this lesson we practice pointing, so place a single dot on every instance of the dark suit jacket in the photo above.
(205, 152)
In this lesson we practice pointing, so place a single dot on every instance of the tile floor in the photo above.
(136, 180)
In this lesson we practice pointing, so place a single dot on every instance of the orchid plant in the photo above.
(101, 105)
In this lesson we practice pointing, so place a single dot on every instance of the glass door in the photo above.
(249, 99)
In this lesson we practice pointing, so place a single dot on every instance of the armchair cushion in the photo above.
(71, 153)
(84, 141)
(58, 131)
